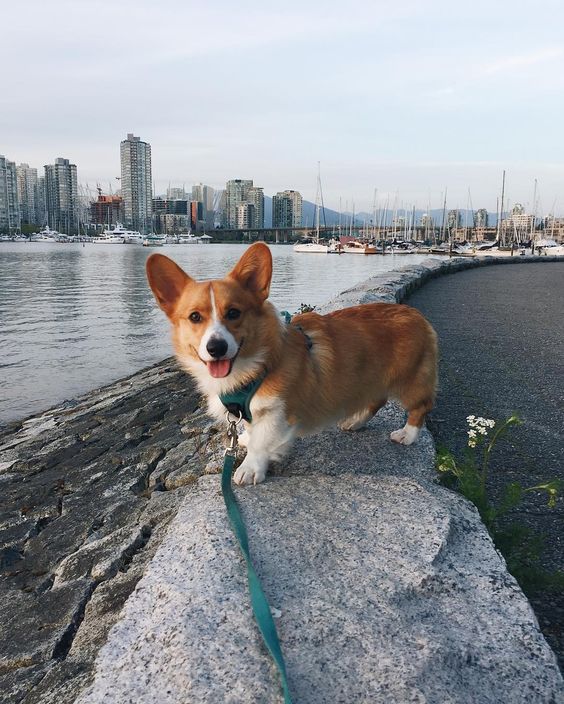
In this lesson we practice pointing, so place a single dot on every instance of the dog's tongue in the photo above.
(219, 368)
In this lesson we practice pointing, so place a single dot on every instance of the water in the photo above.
(74, 317)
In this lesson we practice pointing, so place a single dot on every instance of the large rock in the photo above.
(384, 590)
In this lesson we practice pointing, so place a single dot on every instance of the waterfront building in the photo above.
(28, 195)
(9, 204)
(174, 224)
(427, 222)
(245, 216)
(255, 197)
(61, 195)
(453, 219)
(287, 209)
(106, 210)
(196, 215)
(481, 218)
(40, 201)
(205, 195)
(235, 194)
(136, 180)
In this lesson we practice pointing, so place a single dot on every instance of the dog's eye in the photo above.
(232, 314)
(195, 317)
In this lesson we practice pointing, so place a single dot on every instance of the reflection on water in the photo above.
(76, 317)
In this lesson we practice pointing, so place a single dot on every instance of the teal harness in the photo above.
(238, 402)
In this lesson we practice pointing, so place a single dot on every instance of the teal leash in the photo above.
(259, 602)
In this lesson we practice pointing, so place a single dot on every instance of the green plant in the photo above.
(520, 546)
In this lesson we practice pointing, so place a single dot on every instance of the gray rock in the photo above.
(385, 591)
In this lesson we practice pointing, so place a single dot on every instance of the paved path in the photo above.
(501, 332)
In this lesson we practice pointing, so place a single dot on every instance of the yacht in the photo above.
(108, 238)
(312, 247)
(356, 247)
(153, 240)
(126, 236)
(45, 235)
(187, 238)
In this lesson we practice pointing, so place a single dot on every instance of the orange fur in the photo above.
(360, 357)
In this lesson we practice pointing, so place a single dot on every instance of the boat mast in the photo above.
(444, 217)
(374, 214)
(500, 218)
(534, 214)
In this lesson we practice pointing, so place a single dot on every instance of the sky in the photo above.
(407, 97)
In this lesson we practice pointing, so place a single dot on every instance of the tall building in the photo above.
(61, 195)
(255, 197)
(205, 195)
(136, 180)
(453, 219)
(41, 202)
(235, 194)
(9, 206)
(106, 210)
(176, 193)
(245, 216)
(287, 209)
(27, 195)
(481, 218)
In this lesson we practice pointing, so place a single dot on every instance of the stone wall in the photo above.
(386, 587)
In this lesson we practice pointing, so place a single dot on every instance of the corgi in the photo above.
(318, 370)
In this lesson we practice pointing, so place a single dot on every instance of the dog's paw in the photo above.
(406, 435)
(351, 424)
(250, 471)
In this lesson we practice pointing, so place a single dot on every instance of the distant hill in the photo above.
(308, 214)
(332, 216)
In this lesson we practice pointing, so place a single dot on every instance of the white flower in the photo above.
(470, 418)
(471, 443)
(471, 433)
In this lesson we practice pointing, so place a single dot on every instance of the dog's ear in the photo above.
(167, 281)
(254, 270)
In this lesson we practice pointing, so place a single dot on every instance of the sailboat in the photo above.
(315, 247)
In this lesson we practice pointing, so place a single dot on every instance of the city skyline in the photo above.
(408, 99)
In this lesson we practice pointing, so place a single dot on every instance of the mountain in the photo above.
(436, 214)
(332, 216)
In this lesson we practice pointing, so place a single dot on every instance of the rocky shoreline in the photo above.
(89, 490)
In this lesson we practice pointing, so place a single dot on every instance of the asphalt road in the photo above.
(501, 336)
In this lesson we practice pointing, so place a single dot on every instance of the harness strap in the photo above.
(239, 401)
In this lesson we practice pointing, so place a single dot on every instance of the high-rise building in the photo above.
(481, 218)
(9, 206)
(235, 194)
(255, 197)
(176, 193)
(41, 202)
(136, 180)
(205, 195)
(287, 209)
(61, 194)
(27, 194)
(106, 210)
(453, 219)
(245, 217)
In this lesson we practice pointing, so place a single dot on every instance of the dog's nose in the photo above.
(217, 347)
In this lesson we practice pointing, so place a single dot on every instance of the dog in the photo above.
(318, 370)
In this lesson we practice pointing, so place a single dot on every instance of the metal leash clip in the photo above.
(232, 434)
